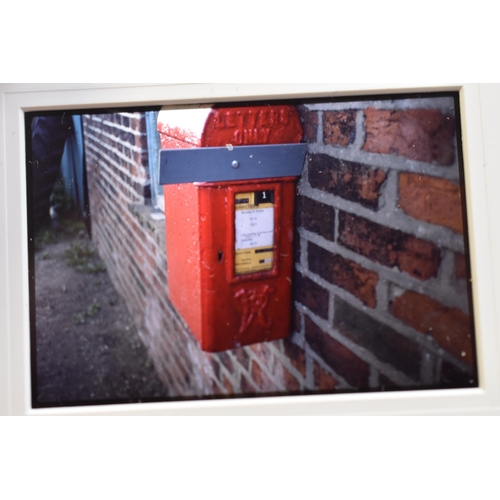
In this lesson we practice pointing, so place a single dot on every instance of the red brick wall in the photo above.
(380, 282)
(385, 283)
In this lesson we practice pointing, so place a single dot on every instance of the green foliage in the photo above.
(70, 224)
(44, 237)
(47, 237)
(73, 226)
(83, 259)
(93, 308)
(81, 317)
(60, 200)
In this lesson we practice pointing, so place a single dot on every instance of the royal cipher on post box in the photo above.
(229, 176)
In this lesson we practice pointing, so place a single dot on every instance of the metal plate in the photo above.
(179, 166)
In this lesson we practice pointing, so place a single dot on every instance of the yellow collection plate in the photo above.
(254, 226)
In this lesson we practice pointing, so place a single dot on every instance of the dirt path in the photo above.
(87, 348)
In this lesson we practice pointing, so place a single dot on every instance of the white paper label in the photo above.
(254, 228)
(254, 232)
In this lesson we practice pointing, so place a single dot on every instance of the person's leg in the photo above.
(49, 134)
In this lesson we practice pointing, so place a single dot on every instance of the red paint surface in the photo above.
(252, 126)
(225, 311)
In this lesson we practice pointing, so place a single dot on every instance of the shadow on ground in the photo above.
(87, 347)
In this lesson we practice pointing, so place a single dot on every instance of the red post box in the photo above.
(229, 178)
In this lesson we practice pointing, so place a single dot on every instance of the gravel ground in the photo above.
(87, 347)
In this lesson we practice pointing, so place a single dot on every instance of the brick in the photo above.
(349, 180)
(460, 267)
(382, 341)
(242, 357)
(340, 359)
(316, 217)
(431, 199)
(389, 247)
(246, 386)
(296, 321)
(126, 136)
(344, 273)
(450, 327)
(141, 141)
(263, 353)
(228, 386)
(215, 366)
(140, 124)
(296, 356)
(311, 295)
(339, 127)
(296, 247)
(309, 123)
(418, 134)
(452, 376)
(261, 379)
(182, 374)
(323, 381)
(289, 382)
(225, 360)
(135, 122)
(215, 389)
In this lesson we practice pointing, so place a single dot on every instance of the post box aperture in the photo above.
(230, 182)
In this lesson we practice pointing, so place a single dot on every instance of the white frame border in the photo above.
(480, 107)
